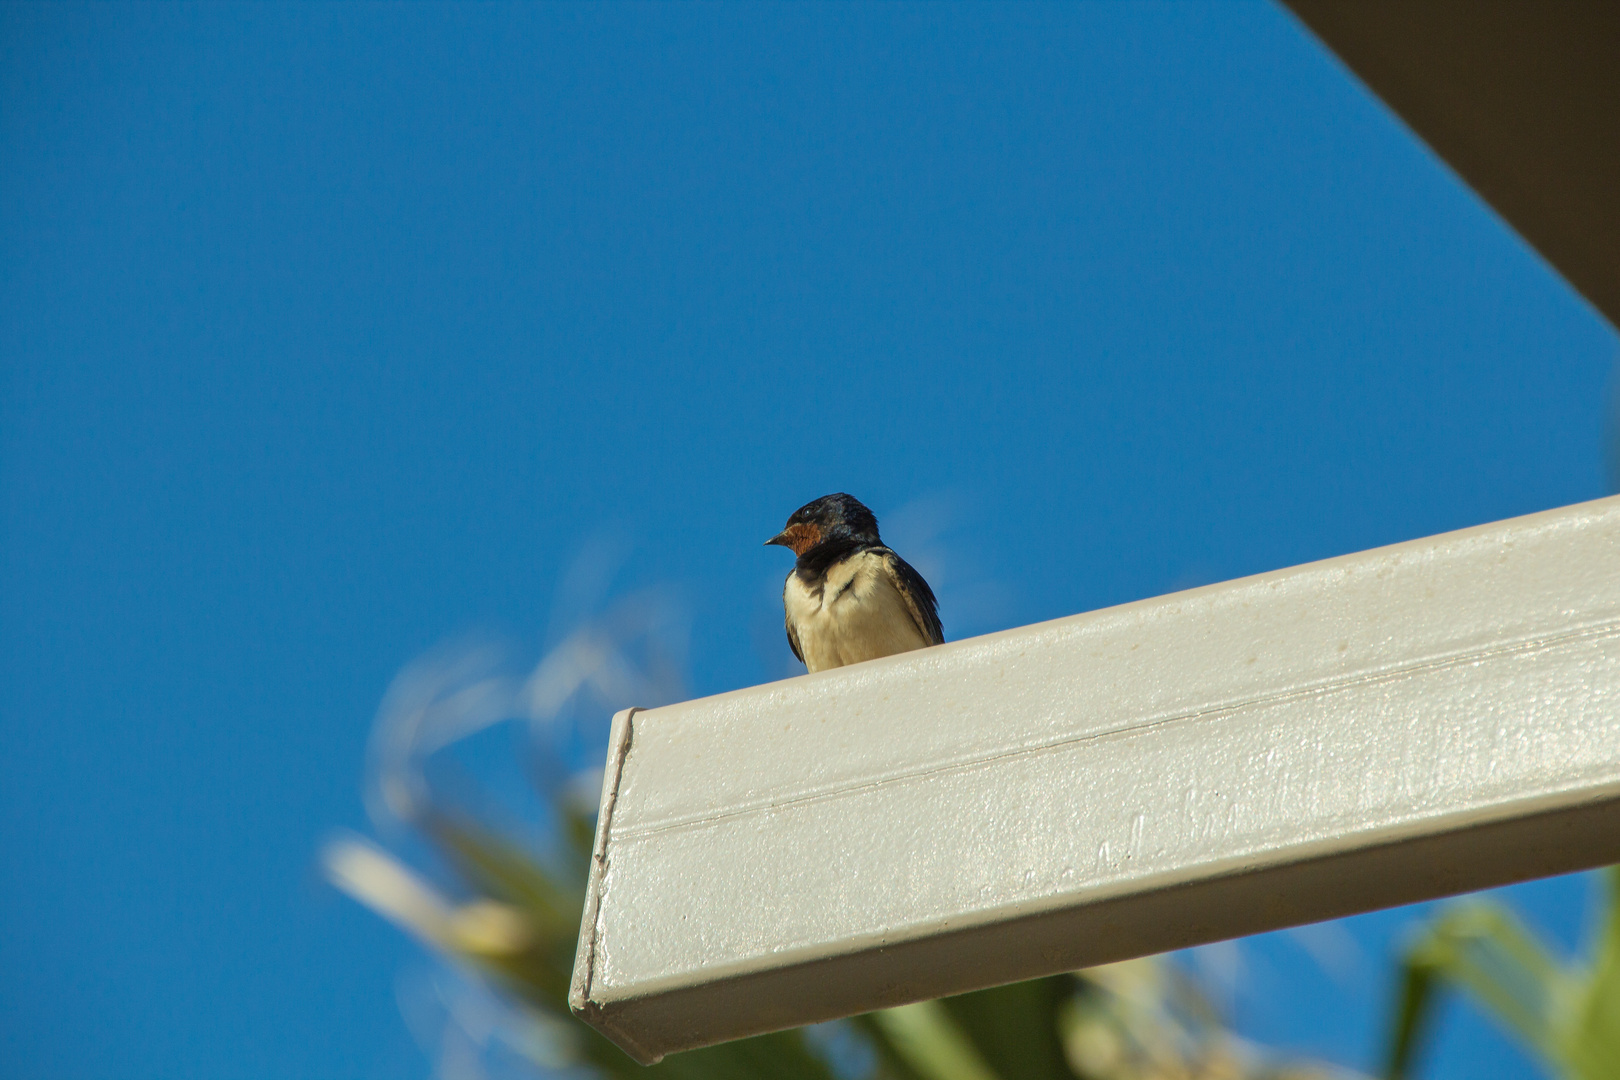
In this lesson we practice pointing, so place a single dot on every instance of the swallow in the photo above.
(849, 598)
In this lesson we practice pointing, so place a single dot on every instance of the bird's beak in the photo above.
(781, 538)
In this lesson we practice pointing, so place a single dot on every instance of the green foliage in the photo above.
(1140, 1020)
(516, 927)
(537, 966)
(1567, 1013)
(1017, 1026)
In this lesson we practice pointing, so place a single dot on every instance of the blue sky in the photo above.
(332, 332)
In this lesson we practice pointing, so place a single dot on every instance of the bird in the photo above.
(849, 598)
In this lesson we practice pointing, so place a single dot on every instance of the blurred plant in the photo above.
(1567, 1013)
(1151, 1021)
(505, 925)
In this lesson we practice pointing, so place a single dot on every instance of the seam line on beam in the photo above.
(1591, 631)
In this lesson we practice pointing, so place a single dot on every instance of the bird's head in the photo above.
(831, 517)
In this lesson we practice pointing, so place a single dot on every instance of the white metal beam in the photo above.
(1399, 724)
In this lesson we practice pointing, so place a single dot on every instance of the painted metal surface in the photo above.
(1389, 726)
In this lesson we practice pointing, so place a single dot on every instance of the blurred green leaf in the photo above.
(891, 1063)
(1594, 1040)
(502, 870)
(1568, 1015)
(1015, 1028)
(925, 1036)
(1411, 1015)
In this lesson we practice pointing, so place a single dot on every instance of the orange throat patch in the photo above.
(802, 537)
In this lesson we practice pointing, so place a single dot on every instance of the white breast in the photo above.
(856, 614)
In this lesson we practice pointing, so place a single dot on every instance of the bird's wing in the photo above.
(787, 622)
(918, 596)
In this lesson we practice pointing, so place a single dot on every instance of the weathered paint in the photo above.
(1375, 729)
